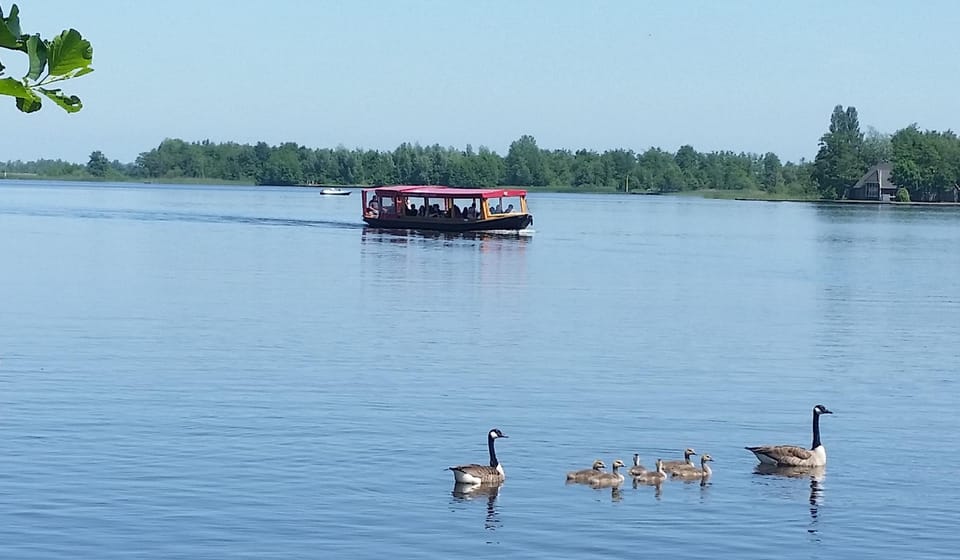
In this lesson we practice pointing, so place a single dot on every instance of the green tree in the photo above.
(839, 162)
(524, 162)
(66, 56)
(772, 178)
(877, 147)
(98, 164)
(925, 162)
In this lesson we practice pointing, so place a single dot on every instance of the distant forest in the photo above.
(922, 161)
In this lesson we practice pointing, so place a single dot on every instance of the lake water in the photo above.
(218, 372)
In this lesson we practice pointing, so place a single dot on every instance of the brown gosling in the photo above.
(637, 469)
(611, 478)
(687, 461)
(653, 477)
(584, 475)
(703, 471)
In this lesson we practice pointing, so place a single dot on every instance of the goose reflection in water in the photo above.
(816, 476)
(657, 486)
(471, 492)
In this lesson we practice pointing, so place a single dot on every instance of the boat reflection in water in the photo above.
(410, 236)
(472, 492)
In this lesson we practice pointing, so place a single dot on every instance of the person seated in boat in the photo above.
(373, 209)
(455, 212)
(434, 210)
(422, 211)
(498, 209)
(472, 211)
(411, 210)
(509, 208)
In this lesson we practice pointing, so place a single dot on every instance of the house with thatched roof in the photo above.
(874, 185)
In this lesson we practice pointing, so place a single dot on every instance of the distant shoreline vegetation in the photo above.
(922, 161)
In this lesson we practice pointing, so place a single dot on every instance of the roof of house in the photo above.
(880, 173)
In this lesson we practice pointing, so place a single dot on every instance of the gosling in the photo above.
(653, 477)
(609, 479)
(703, 472)
(584, 475)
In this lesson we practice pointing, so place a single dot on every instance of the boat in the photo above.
(442, 208)
(334, 191)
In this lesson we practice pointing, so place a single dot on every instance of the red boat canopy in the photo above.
(444, 192)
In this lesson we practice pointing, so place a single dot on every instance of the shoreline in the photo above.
(737, 195)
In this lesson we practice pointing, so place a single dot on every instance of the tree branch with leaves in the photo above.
(66, 56)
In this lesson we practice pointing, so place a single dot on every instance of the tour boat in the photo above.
(445, 208)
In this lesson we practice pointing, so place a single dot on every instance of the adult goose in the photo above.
(482, 474)
(584, 475)
(701, 472)
(611, 478)
(792, 455)
(687, 461)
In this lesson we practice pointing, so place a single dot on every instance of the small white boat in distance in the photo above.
(334, 191)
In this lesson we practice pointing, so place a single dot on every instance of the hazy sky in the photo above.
(752, 76)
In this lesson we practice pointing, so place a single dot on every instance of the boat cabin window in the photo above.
(387, 205)
(503, 205)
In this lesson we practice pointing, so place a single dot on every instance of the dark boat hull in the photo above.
(512, 222)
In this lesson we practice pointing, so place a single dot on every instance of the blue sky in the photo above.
(751, 76)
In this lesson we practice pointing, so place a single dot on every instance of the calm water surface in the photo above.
(213, 372)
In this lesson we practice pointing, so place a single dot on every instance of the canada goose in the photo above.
(687, 462)
(611, 478)
(585, 475)
(653, 477)
(637, 469)
(479, 474)
(792, 455)
(701, 472)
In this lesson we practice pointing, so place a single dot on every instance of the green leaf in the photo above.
(10, 28)
(14, 87)
(28, 105)
(69, 55)
(37, 50)
(27, 100)
(70, 104)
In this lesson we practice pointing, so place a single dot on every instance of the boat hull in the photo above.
(512, 222)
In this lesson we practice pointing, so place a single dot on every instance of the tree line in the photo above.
(923, 162)
(525, 164)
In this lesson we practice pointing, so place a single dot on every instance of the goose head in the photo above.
(496, 433)
(820, 409)
(688, 452)
(617, 464)
(705, 458)
(599, 465)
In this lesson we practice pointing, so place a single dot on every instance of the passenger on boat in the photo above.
(499, 208)
(412, 210)
(373, 209)
(472, 211)
(509, 208)
(456, 212)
